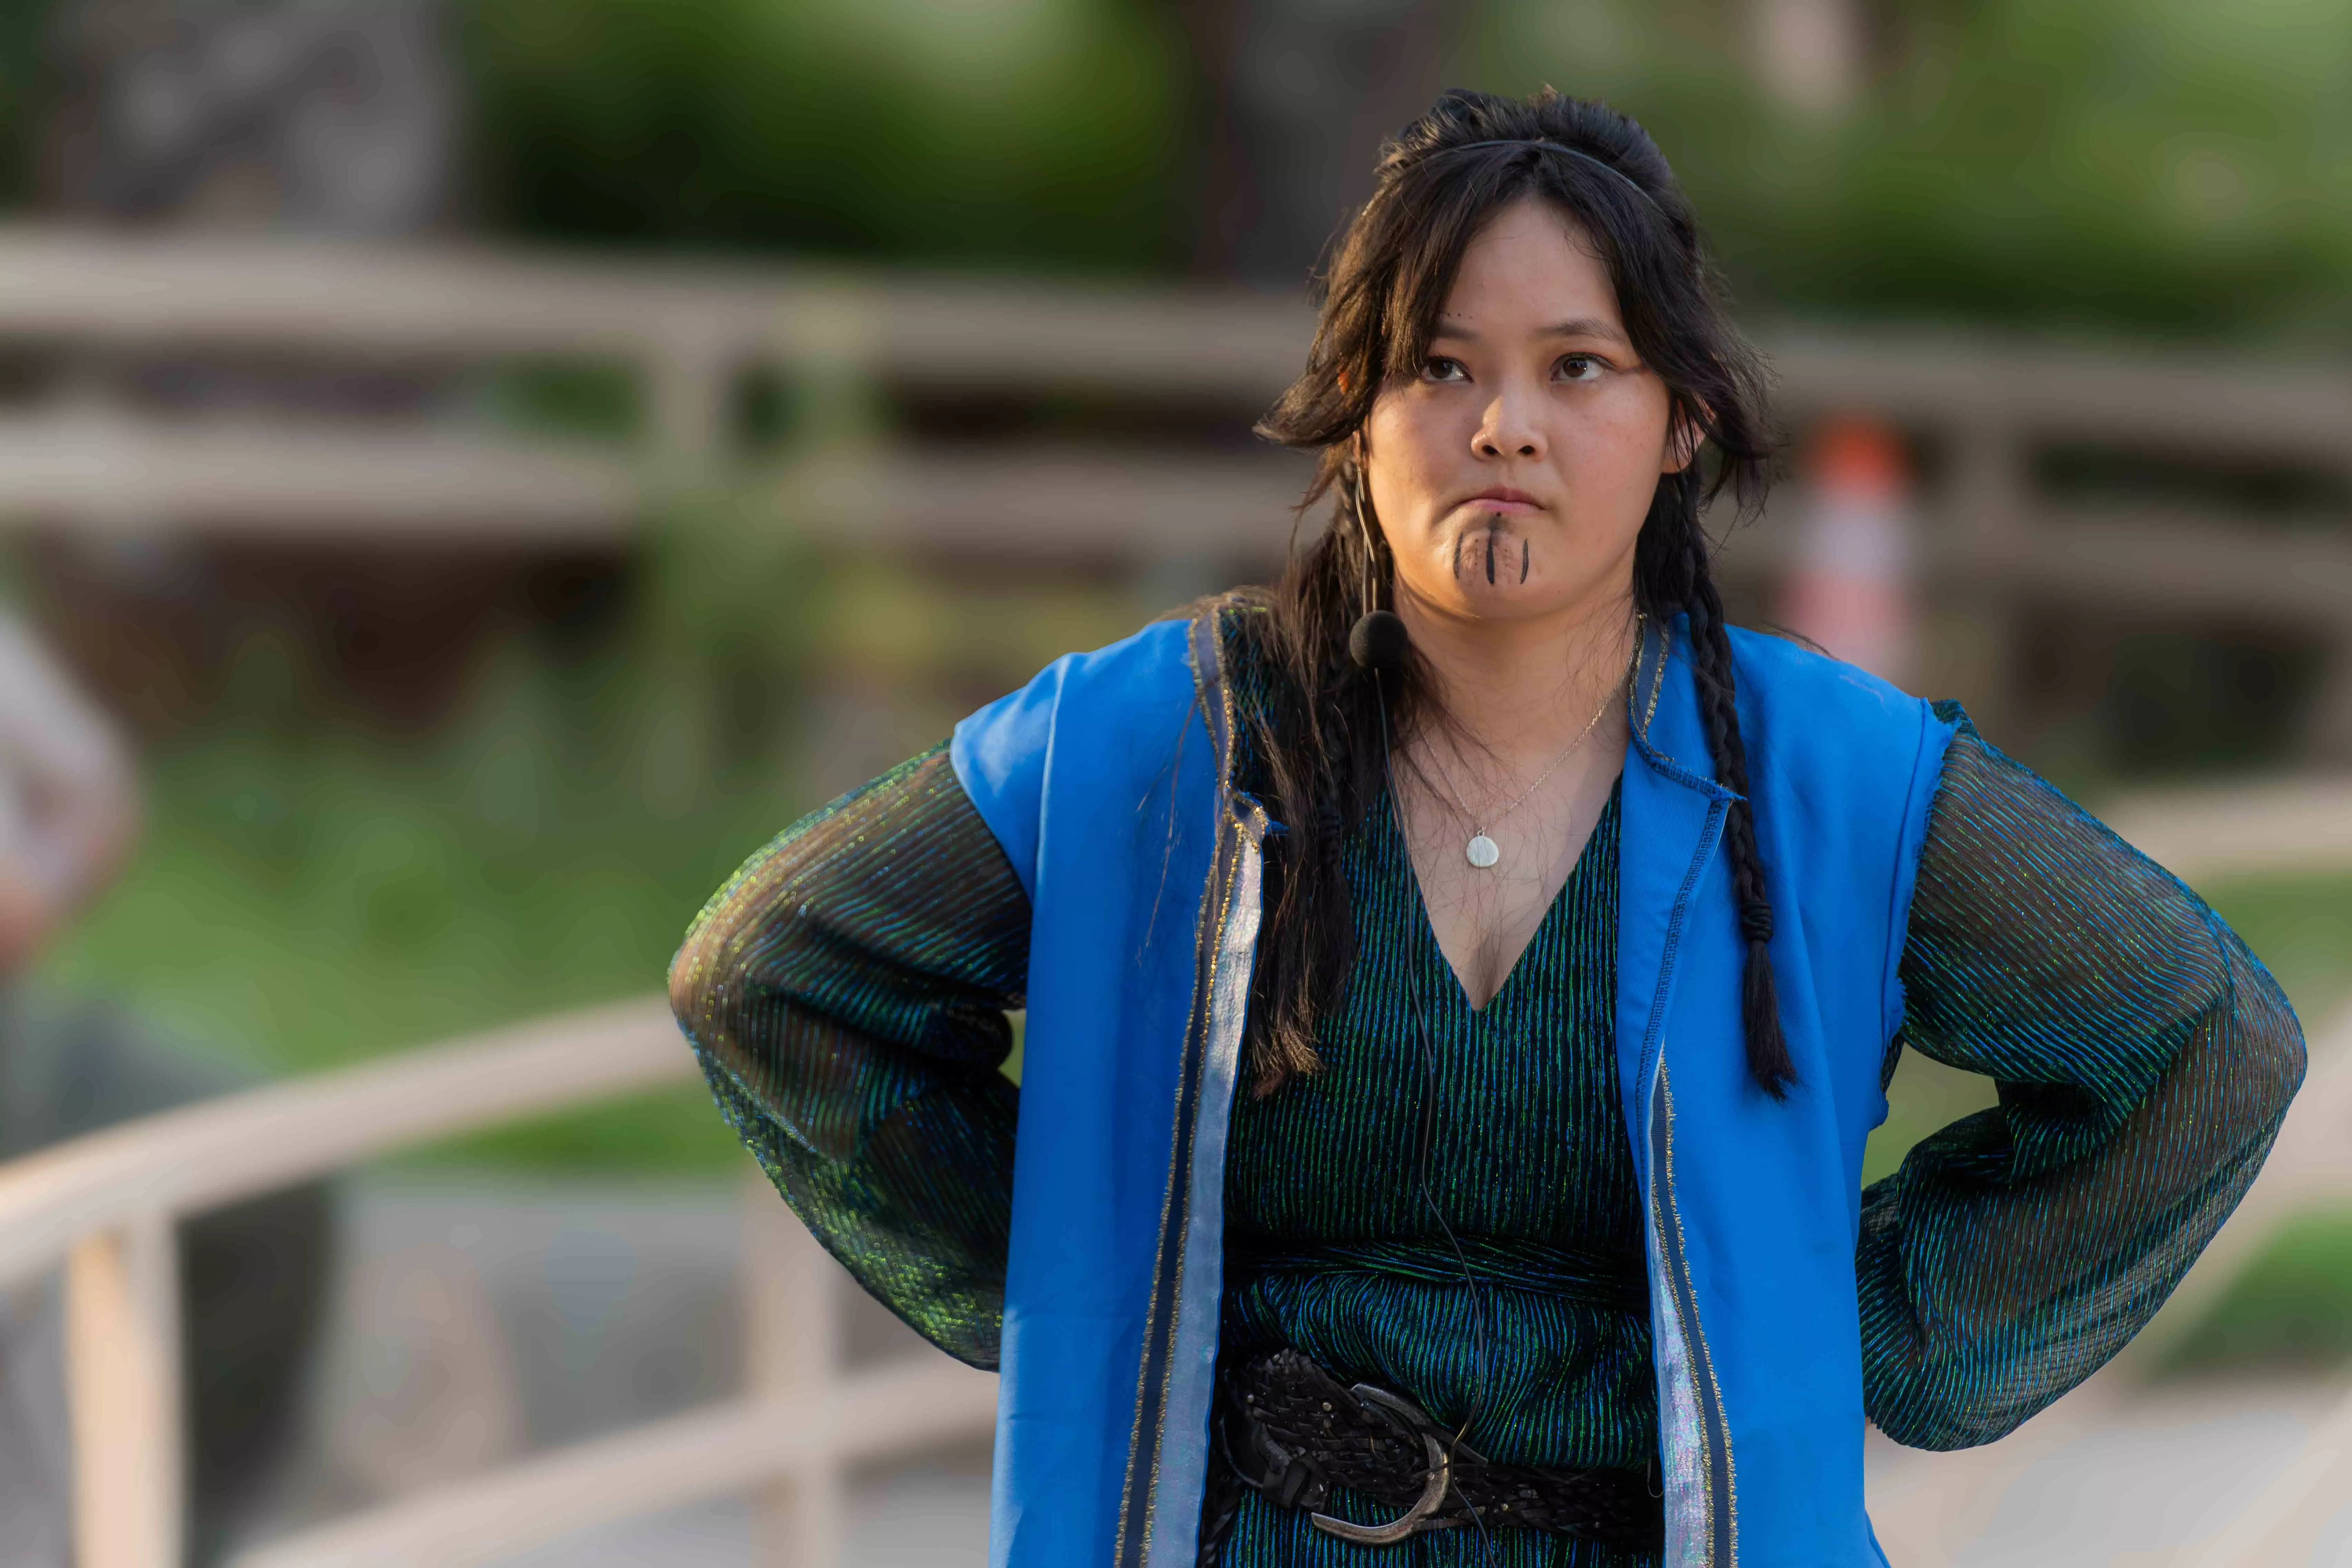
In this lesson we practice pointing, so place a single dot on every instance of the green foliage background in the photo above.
(1015, 132)
(2145, 165)
(2148, 165)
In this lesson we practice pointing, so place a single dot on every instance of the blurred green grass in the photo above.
(309, 896)
(311, 892)
(2289, 1309)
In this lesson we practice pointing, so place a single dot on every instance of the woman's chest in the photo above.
(1489, 882)
(1508, 1115)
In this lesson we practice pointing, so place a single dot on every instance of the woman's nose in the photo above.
(1507, 431)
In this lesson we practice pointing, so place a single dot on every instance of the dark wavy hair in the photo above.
(1319, 738)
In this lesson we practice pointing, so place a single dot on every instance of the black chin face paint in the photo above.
(1485, 549)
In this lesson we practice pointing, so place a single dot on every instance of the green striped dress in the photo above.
(1333, 1249)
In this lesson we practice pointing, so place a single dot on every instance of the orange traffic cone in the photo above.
(1849, 587)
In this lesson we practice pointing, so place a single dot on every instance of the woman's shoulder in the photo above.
(1219, 644)
(1117, 709)
(1780, 669)
(1152, 664)
(1854, 746)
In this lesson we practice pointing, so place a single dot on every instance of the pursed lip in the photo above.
(1502, 497)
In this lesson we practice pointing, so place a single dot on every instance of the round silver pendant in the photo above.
(1481, 852)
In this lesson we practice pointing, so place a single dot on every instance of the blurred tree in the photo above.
(20, 33)
(335, 116)
(1297, 96)
(999, 131)
(2165, 163)
(2148, 163)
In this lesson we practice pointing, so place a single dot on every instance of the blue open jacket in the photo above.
(1106, 784)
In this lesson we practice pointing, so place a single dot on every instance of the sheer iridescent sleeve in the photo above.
(2144, 1060)
(846, 992)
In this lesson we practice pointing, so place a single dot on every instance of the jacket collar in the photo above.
(1669, 732)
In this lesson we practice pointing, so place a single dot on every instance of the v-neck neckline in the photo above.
(1426, 928)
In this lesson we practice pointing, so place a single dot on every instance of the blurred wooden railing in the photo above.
(82, 450)
(105, 1207)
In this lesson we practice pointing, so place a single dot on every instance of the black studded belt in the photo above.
(1287, 1429)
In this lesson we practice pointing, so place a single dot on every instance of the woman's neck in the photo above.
(1522, 686)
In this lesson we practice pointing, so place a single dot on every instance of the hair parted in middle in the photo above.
(1440, 181)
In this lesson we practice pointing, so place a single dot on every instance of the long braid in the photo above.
(1768, 1049)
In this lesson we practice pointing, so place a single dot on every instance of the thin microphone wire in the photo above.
(1428, 1127)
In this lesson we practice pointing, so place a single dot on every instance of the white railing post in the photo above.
(1989, 497)
(122, 1374)
(691, 379)
(791, 1350)
(105, 1205)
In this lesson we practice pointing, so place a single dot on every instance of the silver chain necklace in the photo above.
(1482, 851)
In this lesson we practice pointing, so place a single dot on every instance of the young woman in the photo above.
(1460, 980)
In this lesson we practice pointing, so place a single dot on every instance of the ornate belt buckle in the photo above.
(1432, 1493)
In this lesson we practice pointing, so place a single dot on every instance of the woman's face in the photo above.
(1512, 473)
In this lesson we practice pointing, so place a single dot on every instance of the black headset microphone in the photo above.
(1379, 644)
